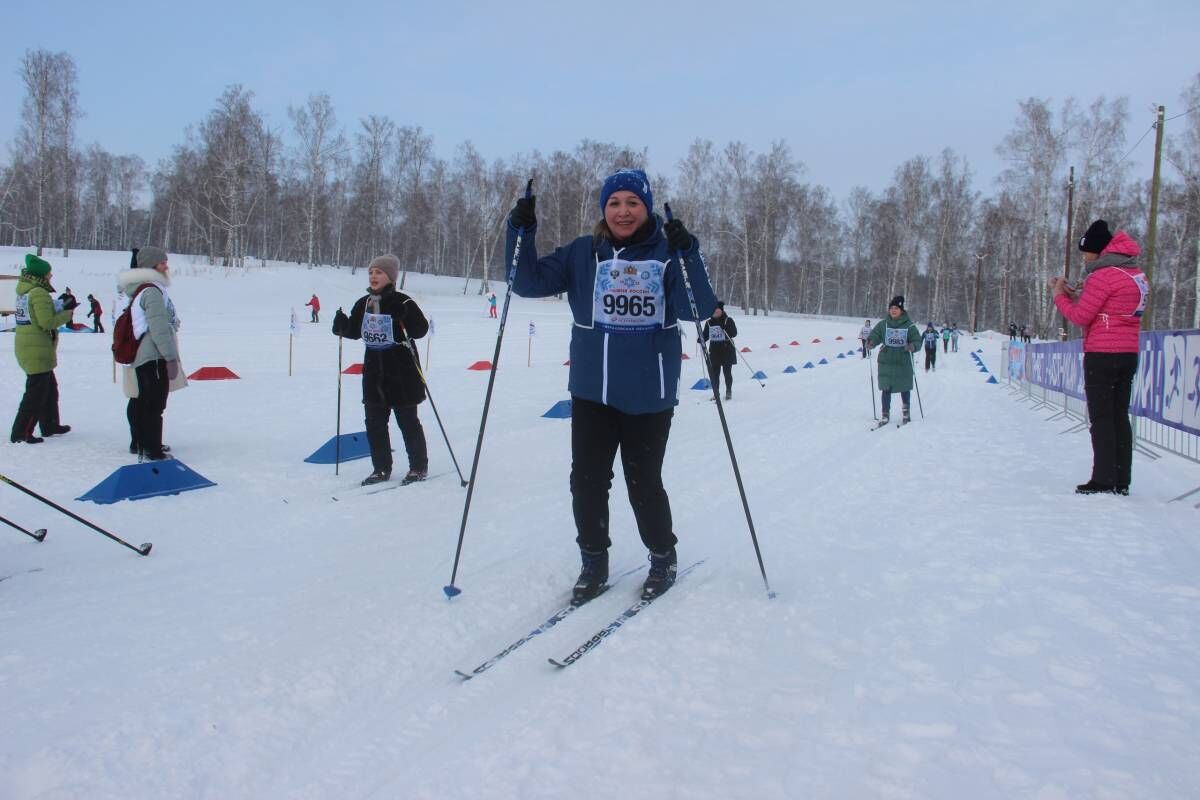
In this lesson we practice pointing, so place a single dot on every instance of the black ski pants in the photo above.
(886, 400)
(39, 406)
(1108, 383)
(714, 375)
(930, 357)
(378, 416)
(597, 432)
(145, 412)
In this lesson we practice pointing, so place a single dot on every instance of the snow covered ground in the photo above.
(951, 620)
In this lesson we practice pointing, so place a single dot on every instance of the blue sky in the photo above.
(855, 89)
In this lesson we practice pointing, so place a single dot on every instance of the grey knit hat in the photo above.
(388, 263)
(149, 257)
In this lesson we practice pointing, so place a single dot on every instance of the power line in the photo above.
(1135, 146)
(1184, 114)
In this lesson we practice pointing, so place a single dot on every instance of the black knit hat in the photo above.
(1096, 238)
(721, 304)
(898, 302)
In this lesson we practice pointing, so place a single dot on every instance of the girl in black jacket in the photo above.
(720, 331)
(388, 321)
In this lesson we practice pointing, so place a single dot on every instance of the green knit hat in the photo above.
(37, 267)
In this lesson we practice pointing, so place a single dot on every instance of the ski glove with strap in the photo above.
(523, 215)
(340, 323)
(677, 236)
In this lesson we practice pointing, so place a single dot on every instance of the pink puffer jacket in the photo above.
(1109, 309)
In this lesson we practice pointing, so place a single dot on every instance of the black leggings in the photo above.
(714, 375)
(39, 405)
(145, 412)
(378, 415)
(1108, 382)
(597, 432)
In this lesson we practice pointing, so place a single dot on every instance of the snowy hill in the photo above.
(951, 620)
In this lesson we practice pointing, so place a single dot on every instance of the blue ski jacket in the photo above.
(626, 303)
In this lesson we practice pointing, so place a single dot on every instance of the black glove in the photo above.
(69, 303)
(523, 215)
(340, 322)
(677, 236)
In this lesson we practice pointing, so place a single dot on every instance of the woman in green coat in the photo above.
(899, 337)
(36, 343)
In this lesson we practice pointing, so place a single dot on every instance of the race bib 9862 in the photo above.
(377, 331)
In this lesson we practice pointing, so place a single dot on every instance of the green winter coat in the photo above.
(895, 362)
(36, 343)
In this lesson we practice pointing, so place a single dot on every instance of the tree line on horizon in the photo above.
(236, 191)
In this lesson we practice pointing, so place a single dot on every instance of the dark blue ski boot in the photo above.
(593, 577)
(662, 574)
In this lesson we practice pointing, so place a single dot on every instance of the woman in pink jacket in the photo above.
(1109, 308)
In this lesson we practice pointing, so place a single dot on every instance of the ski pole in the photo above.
(141, 551)
(412, 348)
(39, 534)
(337, 436)
(916, 385)
(871, 372)
(737, 473)
(746, 361)
(450, 589)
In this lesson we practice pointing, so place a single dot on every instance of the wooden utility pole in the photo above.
(1152, 228)
(979, 257)
(1070, 239)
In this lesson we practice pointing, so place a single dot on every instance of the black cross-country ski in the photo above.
(384, 486)
(611, 628)
(555, 618)
(22, 572)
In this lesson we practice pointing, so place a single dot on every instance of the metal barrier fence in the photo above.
(1164, 409)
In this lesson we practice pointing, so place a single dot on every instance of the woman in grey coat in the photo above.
(157, 362)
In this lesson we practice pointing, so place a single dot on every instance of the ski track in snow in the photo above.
(951, 620)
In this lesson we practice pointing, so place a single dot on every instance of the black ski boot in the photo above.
(378, 476)
(662, 574)
(1091, 487)
(413, 476)
(593, 577)
(905, 418)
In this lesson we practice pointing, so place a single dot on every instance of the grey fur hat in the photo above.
(388, 263)
(149, 257)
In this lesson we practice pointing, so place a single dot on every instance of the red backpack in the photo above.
(125, 344)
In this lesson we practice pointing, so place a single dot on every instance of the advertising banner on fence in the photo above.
(1056, 366)
(1167, 387)
(1168, 383)
(1016, 361)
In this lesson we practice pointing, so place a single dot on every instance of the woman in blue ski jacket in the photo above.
(625, 287)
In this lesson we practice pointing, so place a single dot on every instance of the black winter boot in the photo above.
(1091, 487)
(593, 577)
(662, 574)
(378, 476)
(414, 476)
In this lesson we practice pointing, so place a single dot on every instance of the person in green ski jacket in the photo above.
(900, 338)
(36, 344)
